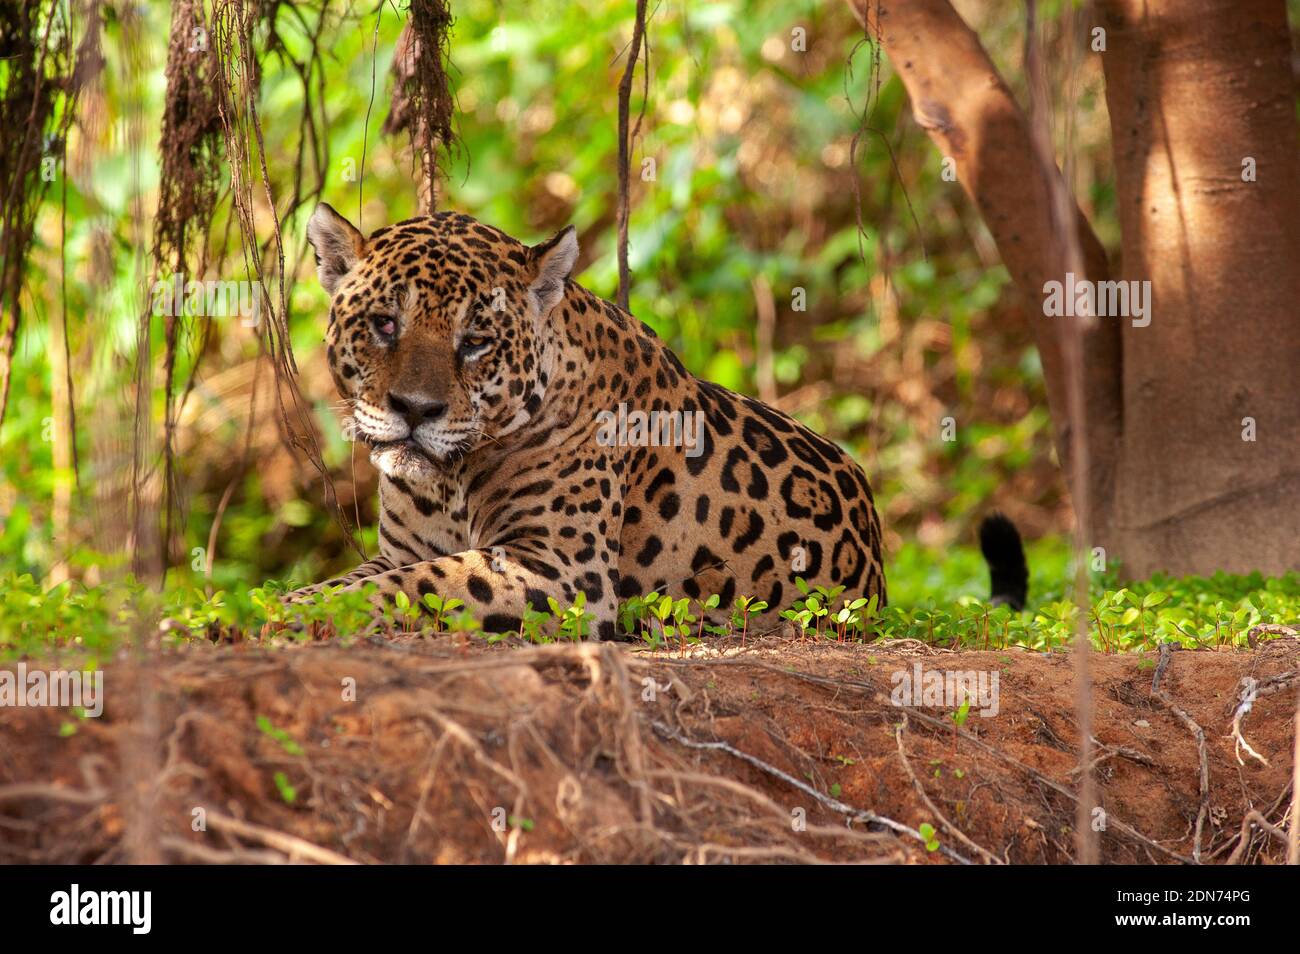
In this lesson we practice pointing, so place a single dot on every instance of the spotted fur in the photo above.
(477, 372)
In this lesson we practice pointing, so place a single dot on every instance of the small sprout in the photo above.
(931, 839)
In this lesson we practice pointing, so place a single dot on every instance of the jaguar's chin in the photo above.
(403, 459)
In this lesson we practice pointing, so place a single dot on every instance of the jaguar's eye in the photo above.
(473, 344)
(385, 327)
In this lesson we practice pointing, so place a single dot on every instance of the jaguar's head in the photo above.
(437, 331)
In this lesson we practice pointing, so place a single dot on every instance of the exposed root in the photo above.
(94, 792)
(1198, 734)
(1254, 819)
(593, 753)
(1251, 690)
(1270, 629)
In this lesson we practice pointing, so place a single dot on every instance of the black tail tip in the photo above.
(1005, 554)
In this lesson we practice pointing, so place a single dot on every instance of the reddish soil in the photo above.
(599, 753)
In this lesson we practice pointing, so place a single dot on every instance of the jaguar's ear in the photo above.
(338, 245)
(552, 261)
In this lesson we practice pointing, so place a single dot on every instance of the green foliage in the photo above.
(285, 740)
(282, 785)
(288, 793)
(1137, 617)
(817, 610)
(745, 606)
(436, 605)
(573, 621)
(960, 715)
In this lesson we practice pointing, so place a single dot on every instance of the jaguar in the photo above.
(534, 440)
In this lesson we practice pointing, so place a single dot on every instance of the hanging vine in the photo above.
(625, 147)
(37, 100)
(234, 33)
(423, 104)
(191, 150)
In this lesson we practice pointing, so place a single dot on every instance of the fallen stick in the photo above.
(1042, 779)
(53, 793)
(856, 814)
(291, 845)
(745, 791)
(213, 856)
(934, 809)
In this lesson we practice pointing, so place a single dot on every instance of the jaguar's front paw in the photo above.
(304, 594)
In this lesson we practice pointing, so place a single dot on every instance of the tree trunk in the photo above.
(1194, 89)
(1199, 92)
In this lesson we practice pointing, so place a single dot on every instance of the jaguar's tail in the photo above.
(1005, 555)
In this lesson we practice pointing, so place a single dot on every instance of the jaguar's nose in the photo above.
(416, 410)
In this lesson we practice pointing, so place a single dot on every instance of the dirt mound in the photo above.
(423, 752)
